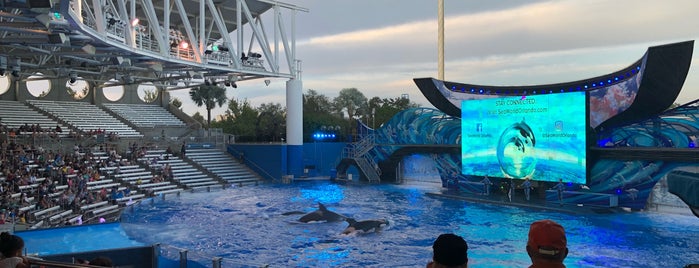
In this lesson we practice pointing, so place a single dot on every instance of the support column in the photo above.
(294, 127)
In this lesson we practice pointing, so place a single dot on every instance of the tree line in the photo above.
(321, 114)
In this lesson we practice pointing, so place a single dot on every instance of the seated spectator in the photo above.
(547, 244)
(11, 247)
(449, 251)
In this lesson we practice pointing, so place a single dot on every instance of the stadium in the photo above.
(91, 137)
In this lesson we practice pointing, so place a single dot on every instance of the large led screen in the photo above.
(539, 137)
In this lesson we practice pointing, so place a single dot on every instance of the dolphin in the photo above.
(322, 214)
(364, 226)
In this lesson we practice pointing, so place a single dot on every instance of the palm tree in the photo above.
(208, 96)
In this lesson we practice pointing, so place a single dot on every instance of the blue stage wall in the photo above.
(270, 160)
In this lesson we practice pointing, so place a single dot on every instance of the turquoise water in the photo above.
(245, 226)
(77, 239)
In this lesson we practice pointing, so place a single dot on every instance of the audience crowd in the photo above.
(34, 179)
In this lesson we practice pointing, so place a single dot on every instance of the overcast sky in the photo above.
(379, 46)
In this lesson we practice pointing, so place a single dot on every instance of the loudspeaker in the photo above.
(39, 3)
(58, 38)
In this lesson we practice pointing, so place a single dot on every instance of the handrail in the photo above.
(52, 264)
(254, 164)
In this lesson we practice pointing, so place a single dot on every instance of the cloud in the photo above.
(538, 43)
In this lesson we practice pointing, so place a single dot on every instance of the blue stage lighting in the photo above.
(534, 92)
(601, 83)
(619, 191)
(473, 90)
(453, 87)
(609, 81)
(616, 78)
(633, 71)
(480, 91)
(691, 144)
(585, 86)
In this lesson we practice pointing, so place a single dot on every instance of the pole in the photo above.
(440, 40)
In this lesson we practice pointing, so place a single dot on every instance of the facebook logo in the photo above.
(479, 127)
(559, 125)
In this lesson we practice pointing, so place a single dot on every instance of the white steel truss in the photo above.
(139, 41)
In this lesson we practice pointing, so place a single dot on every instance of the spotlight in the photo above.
(134, 22)
(15, 71)
(184, 45)
(73, 77)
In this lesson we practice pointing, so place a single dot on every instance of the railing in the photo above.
(359, 151)
(52, 264)
(242, 160)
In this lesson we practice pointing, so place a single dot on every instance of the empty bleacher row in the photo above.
(179, 170)
(223, 165)
(14, 114)
(85, 117)
(142, 115)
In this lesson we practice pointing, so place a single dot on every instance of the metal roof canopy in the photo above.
(165, 42)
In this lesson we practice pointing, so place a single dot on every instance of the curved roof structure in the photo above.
(644, 88)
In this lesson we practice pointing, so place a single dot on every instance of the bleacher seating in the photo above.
(144, 115)
(86, 117)
(14, 114)
(183, 172)
(223, 165)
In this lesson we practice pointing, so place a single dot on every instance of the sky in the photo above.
(379, 46)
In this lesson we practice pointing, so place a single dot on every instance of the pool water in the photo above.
(245, 227)
(76, 239)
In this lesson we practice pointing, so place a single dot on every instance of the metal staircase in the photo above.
(359, 152)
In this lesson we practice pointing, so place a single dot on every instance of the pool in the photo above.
(246, 226)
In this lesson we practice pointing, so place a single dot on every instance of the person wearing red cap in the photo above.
(449, 251)
(547, 245)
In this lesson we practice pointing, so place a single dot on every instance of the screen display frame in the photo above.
(496, 130)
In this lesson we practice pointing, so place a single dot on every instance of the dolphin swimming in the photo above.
(322, 214)
(364, 226)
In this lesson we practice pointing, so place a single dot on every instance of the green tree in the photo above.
(208, 96)
(241, 119)
(350, 101)
(198, 117)
(318, 115)
(150, 95)
(271, 122)
(176, 102)
(390, 107)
